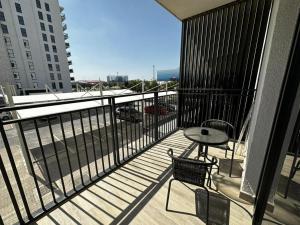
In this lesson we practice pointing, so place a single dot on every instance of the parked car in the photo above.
(129, 113)
(163, 108)
(5, 116)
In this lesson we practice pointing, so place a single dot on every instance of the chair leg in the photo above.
(231, 162)
(207, 205)
(168, 195)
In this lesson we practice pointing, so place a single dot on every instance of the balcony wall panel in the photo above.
(220, 57)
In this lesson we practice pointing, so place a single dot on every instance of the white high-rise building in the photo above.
(33, 47)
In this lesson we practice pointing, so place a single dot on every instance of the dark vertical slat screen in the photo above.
(220, 55)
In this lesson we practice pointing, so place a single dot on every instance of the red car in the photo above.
(161, 110)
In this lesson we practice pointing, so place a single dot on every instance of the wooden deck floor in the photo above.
(136, 194)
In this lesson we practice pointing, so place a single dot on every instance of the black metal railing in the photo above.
(47, 158)
(231, 105)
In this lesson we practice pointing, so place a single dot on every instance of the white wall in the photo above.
(278, 44)
(34, 33)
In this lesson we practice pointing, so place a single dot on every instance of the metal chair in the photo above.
(191, 171)
(227, 128)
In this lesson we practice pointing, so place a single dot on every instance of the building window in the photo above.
(0, 4)
(16, 75)
(61, 86)
(56, 58)
(49, 18)
(23, 32)
(4, 29)
(28, 55)
(52, 76)
(57, 67)
(13, 64)
(26, 43)
(21, 20)
(33, 75)
(44, 37)
(47, 7)
(52, 38)
(53, 85)
(11, 53)
(59, 76)
(46, 47)
(31, 65)
(48, 56)
(40, 15)
(35, 85)
(2, 17)
(54, 48)
(18, 7)
(51, 29)
(38, 4)
(19, 85)
(7, 41)
(50, 67)
(43, 27)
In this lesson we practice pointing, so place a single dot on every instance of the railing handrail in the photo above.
(66, 101)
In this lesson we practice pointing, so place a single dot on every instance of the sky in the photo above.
(126, 37)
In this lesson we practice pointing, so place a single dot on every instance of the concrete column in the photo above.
(277, 49)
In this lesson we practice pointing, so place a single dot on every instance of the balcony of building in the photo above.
(64, 27)
(61, 8)
(63, 17)
(71, 70)
(67, 44)
(68, 54)
(66, 36)
(70, 62)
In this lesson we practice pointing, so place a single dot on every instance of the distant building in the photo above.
(33, 47)
(117, 78)
(168, 75)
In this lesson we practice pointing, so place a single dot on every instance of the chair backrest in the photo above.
(221, 125)
(190, 170)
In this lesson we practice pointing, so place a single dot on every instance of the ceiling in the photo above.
(183, 9)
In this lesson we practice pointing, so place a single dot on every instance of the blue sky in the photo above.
(124, 36)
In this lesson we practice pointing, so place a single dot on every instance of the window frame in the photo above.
(27, 42)
(28, 54)
(51, 30)
(16, 75)
(49, 18)
(18, 7)
(15, 63)
(41, 16)
(44, 36)
(43, 27)
(21, 22)
(48, 57)
(47, 49)
(4, 28)
(23, 32)
(50, 67)
(31, 65)
(47, 7)
(10, 53)
(2, 16)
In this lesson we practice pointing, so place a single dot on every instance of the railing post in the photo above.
(114, 130)
(15, 171)
(156, 116)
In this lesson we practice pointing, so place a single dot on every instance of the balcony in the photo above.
(71, 70)
(119, 165)
(63, 17)
(68, 54)
(61, 8)
(64, 26)
(67, 44)
(66, 36)
(70, 62)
